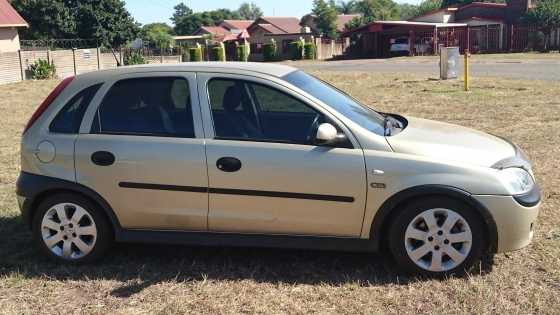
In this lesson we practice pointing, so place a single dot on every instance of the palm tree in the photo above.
(346, 7)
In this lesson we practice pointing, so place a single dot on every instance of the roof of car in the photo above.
(277, 70)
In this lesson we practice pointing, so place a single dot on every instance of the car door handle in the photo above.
(103, 158)
(228, 164)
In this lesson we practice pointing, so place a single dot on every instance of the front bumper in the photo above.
(515, 222)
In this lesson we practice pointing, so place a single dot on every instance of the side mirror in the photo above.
(327, 134)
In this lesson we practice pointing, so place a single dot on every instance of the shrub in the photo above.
(296, 50)
(309, 51)
(134, 58)
(195, 54)
(42, 70)
(270, 51)
(218, 53)
(242, 53)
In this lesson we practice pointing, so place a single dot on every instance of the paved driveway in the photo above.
(530, 69)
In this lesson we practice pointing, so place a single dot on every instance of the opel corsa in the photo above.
(244, 154)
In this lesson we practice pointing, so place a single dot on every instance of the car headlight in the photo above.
(517, 180)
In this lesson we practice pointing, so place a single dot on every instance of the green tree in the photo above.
(428, 6)
(158, 35)
(46, 18)
(188, 24)
(249, 11)
(546, 15)
(372, 10)
(378, 10)
(181, 10)
(325, 17)
(407, 11)
(346, 7)
(107, 21)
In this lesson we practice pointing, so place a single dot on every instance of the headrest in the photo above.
(232, 99)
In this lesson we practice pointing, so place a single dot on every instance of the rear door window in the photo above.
(68, 120)
(158, 106)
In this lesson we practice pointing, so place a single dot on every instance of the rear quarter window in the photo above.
(69, 118)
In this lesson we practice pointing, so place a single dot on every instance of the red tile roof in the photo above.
(343, 19)
(272, 29)
(214, 30)
(237, 24)
(9, 16)
(285, 24)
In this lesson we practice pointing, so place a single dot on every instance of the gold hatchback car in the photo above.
(252, 154)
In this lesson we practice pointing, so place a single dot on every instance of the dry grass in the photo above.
(171, 279)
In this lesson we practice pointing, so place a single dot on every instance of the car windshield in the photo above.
(340, 101)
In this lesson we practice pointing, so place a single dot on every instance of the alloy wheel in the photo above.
(69, 231)
(438, 240)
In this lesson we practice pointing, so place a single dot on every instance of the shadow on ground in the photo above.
(139, 266)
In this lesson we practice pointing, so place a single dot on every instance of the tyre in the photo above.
(437, 237)
(69, 228)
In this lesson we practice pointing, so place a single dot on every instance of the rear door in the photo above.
(264, 174)
(141, 148)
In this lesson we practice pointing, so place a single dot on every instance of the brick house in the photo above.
(10, 21)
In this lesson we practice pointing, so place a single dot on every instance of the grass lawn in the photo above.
(171, 279)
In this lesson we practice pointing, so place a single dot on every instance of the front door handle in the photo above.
(103, 158)
(228, 164)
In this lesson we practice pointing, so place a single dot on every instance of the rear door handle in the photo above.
(228, 164)
(103, 158)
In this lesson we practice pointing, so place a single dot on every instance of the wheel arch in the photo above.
(388, 210)
(36, 188)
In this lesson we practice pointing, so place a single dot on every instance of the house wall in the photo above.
(9, 39)
(258, 36)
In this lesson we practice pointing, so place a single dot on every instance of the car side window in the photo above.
(69, 118)
(246, 110)
(158, 106)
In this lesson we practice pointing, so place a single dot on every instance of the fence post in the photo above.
(98, 58)
(435, 41)
(74, 60)
(468, 38)
(21, 66)
(48, 55)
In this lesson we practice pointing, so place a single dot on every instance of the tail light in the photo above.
(47, 102)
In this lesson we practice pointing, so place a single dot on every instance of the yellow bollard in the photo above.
(466, 70)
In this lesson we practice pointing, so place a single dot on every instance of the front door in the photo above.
(144, 152)
(265, 175)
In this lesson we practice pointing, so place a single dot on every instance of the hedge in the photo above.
(309, 51)
(269, 51)
(296, 50)
(218, 53)
(195, 54)
(242, 53)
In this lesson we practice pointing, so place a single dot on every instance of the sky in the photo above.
(149, 11)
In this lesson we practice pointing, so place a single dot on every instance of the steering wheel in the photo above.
(312, 132)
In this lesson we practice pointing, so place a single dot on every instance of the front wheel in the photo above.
(71, 229)
(437, 237)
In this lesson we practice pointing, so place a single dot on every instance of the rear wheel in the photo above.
(436, 237)
(70, 228)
